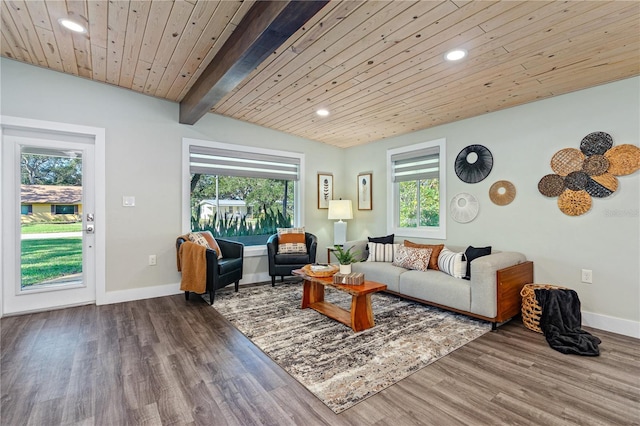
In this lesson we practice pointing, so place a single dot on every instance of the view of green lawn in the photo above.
(46, 259)
(49, 227)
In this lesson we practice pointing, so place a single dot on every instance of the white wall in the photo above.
(143, 149)
(522, 141)
(143, 159)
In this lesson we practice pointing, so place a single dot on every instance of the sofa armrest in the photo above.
(483, 280)
(359, 248)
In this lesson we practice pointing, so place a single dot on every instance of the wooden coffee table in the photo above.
(359, 318)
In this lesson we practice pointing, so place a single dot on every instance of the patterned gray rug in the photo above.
(339, 366)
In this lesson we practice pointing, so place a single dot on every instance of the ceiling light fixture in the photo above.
(455, 55)
(71, 25)
(322, 112)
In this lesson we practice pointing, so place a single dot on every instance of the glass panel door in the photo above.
(51, 230)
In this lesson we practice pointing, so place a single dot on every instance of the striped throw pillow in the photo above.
(379, 252)
(452, 263)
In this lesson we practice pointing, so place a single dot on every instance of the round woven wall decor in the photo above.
(623, 159)
(574, 203)
(502, 192)
(576, 181)
(597, 190)
(473, 163)
(595, 165)
(551, 185)
(596, 143)
(567, 160)
(464, 207)
(607, 180)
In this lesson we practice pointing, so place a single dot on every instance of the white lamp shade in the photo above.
(340, 209)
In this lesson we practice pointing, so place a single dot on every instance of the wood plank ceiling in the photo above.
(377, 66)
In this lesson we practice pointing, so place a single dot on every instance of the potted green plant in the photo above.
(345, 258)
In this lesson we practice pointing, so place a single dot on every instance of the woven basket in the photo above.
(320, 274)
(596, 143)
(574, 203)
(531, 310)
(595, 165)
(623, 159)
(576, 181)
(551, 185)
(567, 160)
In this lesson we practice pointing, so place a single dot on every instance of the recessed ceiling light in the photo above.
(71, 25)
(322, 112)
(455, 55)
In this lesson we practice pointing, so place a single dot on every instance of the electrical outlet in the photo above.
(587, 276)
(152, 260)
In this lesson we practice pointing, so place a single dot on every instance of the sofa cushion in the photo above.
(379, 252)
(436, 249)
(412, 258)
(452, 263)
(381, 272)
(436, 287)
(472, 253)
(291, 240)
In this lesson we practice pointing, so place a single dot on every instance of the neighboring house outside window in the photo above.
(26, 209)
(418, 190)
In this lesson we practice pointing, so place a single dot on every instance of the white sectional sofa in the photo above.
(492, 293)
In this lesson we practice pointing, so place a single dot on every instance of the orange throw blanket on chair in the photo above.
(192, 261)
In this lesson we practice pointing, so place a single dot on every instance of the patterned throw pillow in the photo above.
(291, 241)
(452, 263)
(206, 239)
(437, 248)
(198, 238)
(379, 252)
(412, 258)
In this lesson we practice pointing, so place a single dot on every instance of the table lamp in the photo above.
(340, 209)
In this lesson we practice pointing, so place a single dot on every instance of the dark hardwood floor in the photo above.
(167, 361)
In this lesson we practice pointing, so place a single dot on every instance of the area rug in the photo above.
(340, 367)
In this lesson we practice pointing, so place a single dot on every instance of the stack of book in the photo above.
(354, 278)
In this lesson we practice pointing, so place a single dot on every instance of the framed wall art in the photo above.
(325, 190)
(365, 201)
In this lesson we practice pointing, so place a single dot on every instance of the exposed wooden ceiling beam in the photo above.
(262, 30)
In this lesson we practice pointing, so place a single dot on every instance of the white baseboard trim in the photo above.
(141, 293)
(612, 324)
(166, 290)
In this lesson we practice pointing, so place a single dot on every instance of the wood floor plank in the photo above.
(171, 361)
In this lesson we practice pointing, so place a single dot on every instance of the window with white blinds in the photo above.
(417, 189)
(225, 162)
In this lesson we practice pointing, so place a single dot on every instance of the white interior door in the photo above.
(48, 221)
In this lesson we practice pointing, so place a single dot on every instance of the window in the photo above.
(417, 187)
(26, 209)
(64, 209)
(242, 195)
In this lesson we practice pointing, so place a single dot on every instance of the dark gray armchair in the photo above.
(221, 272)
(282, 264)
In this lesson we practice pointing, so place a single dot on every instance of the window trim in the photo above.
(249, 251)
(439, 232)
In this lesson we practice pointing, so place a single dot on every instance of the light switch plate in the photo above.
(128, 201)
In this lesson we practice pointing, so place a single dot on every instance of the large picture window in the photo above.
(242, 195)
(417, 187)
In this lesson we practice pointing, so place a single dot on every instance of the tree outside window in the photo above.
(244, 209)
